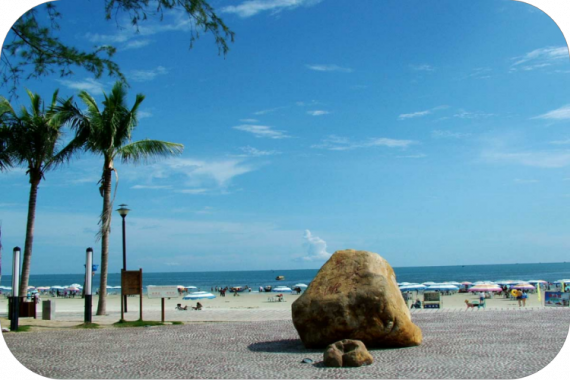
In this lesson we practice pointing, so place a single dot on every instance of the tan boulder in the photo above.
(347, 353)
(355, 296)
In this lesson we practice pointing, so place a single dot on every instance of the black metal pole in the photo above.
(124, 256)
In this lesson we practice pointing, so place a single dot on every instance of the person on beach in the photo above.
(524, 297)
(519, 297)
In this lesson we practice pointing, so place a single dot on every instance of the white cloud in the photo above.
(318, 112)
(342, 143)
(193, 191)
(316, 248)
(90, 85)
(562, 113)
(330, 67)
(262, 131)
(249, 120)
(147, 75)
(462, 114)
(419, 155)
(252, 7)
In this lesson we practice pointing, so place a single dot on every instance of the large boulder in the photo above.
(355, 296)
(347, 353)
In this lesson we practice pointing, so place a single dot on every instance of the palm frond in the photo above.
(146, 150)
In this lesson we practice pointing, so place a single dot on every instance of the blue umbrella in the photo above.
(198, 296)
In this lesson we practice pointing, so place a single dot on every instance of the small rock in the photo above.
(347, 353)
(307, 360)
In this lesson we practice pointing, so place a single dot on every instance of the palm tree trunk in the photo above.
(107, 175)
(24, 281)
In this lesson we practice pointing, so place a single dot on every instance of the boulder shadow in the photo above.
(286, 346)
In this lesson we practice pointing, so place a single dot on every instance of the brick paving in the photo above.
(457, 344)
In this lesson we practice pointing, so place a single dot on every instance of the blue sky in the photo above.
(430, 132)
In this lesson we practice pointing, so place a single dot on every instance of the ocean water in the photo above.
(255, 279)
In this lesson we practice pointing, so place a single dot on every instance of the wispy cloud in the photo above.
(342, 143)
(525, 181)
(318, 112)
(315, 248)
(413, 115)
(441, 134)
(560, 142)
(150, 187)
(190, 176)
(562, 113)
(144, 114)
(147, 75)
(90, 85)
(422, 67)
(540, 159)
(266, 111)
(540, 58)
(262, 131)
(416, 156)
(137, 44)
(249, 120)
(463, 114)
(479, 73)
(329, 67)
(250, 8)
(249, 151)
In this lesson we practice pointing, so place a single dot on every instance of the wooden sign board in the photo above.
(131, 282)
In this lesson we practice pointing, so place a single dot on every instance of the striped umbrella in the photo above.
(413, 287)
(485, 288)
(524, 287)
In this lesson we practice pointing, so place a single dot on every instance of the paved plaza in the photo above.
(486, 344)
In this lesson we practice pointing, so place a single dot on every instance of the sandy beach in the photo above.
(70, 311)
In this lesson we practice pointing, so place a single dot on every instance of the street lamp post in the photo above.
(123, 211)
(88, 279)
(15, 290)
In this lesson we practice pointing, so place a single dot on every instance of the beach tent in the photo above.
(198, 296)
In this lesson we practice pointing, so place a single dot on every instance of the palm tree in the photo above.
(107, 133)
(30, 138)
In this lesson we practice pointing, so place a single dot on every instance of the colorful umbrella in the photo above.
(485, 288)
(523, 287)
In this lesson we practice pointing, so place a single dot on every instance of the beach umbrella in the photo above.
(75, 286)
(413, 287)
(444, 287)
(561, 281)
(6, 287)
(281, 289)
(428, 283)
(42, 288)
(198, 296)
(524, 287)
(190, 287)
(466, 283)
(536, 282)
(116, 287)
(300, 286)
(485, 288)
(453, 283)
(404, 283)
(57, 287)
